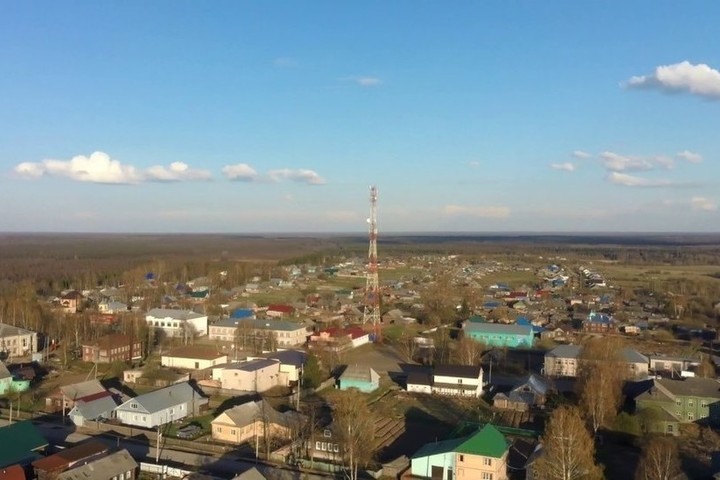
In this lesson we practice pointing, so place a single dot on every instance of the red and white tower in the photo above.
(372, 284)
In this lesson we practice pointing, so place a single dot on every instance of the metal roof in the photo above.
(360, 373)
(165, 397)
(174, 314)
(103, 468)
(497, 328)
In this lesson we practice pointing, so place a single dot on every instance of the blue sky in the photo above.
(177, 116)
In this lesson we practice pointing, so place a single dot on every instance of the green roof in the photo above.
(19, 442)
(435, 448)
(488, 442)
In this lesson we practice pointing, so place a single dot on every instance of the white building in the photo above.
(193, 358)
(177, 323)
(16, 341)
(252, 376)
(161, 406)
(455, 380)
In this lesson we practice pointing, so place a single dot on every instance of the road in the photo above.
(226, 466)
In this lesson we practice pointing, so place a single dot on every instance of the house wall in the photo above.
(19, 345)
(422, 466)
(291, 338)
(140, 418)
(419, 388)
(475, 467)
(174, 327)
(363, 386)
(119, 353)
(229, 433)
(502, 339)
(258, 381)
(561, 367)
(356, 342)
(192, 363)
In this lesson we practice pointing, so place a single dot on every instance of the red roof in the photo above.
(94, 396)
(281, 308)
(63, 460)
(517, 295)
(13, 472)
(352, 332)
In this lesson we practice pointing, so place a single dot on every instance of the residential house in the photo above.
(499, 335)
(480, 456)
(63, 398)
(93, 408)
(252, 474)
(326, 445)
(112, 307)
(339, 339)
(285, 333)
(680, 401)
(72, 301)
(451, 380)
(530, 392)
(193, 357)
(119, 465)
(672, 365)
(565, 361)
(177, 323)
(361, 377)
(599, 323)
(16, 341)
(113, 348)
(256, 375)
(280, 311)
(9, 383)
(253, 420)
(161, 406)
(20, 444)
(292, 363)
(48, 468)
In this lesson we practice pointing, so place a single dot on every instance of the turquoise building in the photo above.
(363, 378)
(499, 335)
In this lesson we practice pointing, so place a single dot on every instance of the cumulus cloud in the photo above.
(689, 156)
(700, 79)
(476, 211)
(566, 167)
(301, 176)
(240, 172)
(618, 163)
(99, 167)
(703, 204)
(579, 154)
(176, 172)
(634, 181)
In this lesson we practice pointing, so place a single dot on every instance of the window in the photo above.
(487, 476)
(459, 380)
(323, 446)
(172, 410)
(703, 403)
(317, 445)
(128, 474)
(690, 403)
(232, 431)
(219, 429)
(487, 461)
(336, 448)
(691, 416)
(669, 429)
(678, 403)
(462, 458)
(133, 405)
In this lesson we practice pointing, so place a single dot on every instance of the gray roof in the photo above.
(631, 355)
(252, 474)
(694, 387)
(102, 468)
(12, 331)
(247, 413)
(174, 314)
(100, 407)
(497, 328)
(80, 390)
(254, 365)
(290, 357)
(460, 371)
(4, 372)
(565, 351)
(360, 373)
(261, 324)
(158, 400)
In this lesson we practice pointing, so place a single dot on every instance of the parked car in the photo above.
(189, 431)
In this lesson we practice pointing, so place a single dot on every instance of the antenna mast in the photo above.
(372, 285)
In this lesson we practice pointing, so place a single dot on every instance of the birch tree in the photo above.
(468, 351)
(659, 460)
(600, 381)
(354, 423)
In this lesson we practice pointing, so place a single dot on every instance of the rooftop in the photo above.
(12, 331)
(66, 458)
(159, 399)
(19, 440)
(462, 371)
(360, 373)
(174, 314)
(103, 468)
(195, 352)
(113, 340)
(497, 328)
(695, 387)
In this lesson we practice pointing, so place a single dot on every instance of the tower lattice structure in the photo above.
(372, 283)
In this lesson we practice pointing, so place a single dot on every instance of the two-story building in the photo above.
(566, 361)
(451, 380)
(256, 375)
(480, 456)
(161, 406)
(16, 341)
(72, 301)
(113, 348)
(177, 323)
(284, 332)
(499, 334)
(599, 323)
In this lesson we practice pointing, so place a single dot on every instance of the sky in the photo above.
(246, 117)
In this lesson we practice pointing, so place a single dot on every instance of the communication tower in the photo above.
(372, 284)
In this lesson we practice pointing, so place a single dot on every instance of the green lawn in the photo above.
(203, 421)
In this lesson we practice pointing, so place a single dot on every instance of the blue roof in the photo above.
(596, 317)
(492, 304)
(242, 313)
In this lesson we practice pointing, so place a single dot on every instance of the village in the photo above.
(282, 376)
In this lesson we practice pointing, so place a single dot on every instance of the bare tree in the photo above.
(659, 460)
(407, 345)
(468, 351)
(355, 424)
(600, 381)
(568, 451)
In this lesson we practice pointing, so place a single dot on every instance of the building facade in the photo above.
(193, 358)
(245, 330)
(499, 335)
(162, 406)
(256, 375)
(177, 323)
(113, 348)
(16, 341)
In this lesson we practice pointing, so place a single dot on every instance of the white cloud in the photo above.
(301, 176)
(566, 167)
(580, 154)
(700, 79)
(634, 181)
(689, 156)
(176, 172)
(618, 163)
(476, 211)
(241, 172)
(100, 168)
(704, 204)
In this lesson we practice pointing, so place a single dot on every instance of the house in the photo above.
(115, 466)
(112, 307)
(113, 348)
(256, 375)
(672, 365)
(47, 468)
(72, 301)
(480, 456)
(21, 444)
(252, 474)
(599, 323)
(16, 341)
(177, 323)
(326, 445)
(452, 380)
(530, 392)
(161, 406)
(280, 311)
(673, 402)
(192, 357)
(253, 420)
(63, 398)
(98, 407)
(363, 378)
(339, 339)
(292, 363)
(565, 361)
(499, 335)
(8, 383)
(252, 330)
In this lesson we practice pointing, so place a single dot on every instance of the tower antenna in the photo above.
(372, 284)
